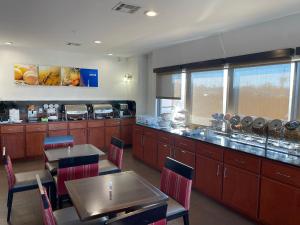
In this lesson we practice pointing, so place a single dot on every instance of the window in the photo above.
(261, 91)
(206, 95)
(170, 92)
(169, 105)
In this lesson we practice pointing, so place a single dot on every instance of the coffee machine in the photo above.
(32, 113)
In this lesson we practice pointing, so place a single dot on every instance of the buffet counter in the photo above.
(261, 184)
(229, 144)
(25, 140)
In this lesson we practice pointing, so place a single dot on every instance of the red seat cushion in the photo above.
(11, 179)
(115, 155)
(73, 173)
(177, 187)
(47, 211)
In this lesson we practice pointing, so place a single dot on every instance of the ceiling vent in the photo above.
(73, 44)
(126, 8)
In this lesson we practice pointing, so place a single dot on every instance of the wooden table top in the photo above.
(54, 155)
(92, 197)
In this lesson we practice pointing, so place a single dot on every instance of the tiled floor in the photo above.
(26, 208)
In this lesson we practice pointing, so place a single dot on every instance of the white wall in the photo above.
(111, 74)
(276, 34)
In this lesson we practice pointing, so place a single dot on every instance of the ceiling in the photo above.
(51, 23)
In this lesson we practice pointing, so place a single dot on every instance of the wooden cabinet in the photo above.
(279, 203)
(137, 141)
(163, 151)
(240, 190)
(126, 134)
(112, 129)
(150, 147)
(58, 129)
(35, 135)
(209, 178)
(127, 130)
(79, 132)
(185, 157)
(13, 139)
(96, 134)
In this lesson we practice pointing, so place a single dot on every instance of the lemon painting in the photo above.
(25, 74)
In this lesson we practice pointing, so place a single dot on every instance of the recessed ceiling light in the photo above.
(8, 43)
(151, 13)
(110, 54)
(97, 42)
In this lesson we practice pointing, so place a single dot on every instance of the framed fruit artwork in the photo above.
(26, 74)
(49, 75)
(70, 76)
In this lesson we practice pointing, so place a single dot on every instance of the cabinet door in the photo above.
(57, 132)
(14, 144)
(35, 143)
(150, 151)
(79, 135)
(279, 203)
(126, 134)
(185, 157)
(164, 150)
(209, 176)
(240, 190)
(96, 137)
(137, 144)
(111, 132)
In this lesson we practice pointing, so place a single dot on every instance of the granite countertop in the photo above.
(60, 120)
(230, 144)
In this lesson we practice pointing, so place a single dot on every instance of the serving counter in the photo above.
(262, 184)
(25, 140)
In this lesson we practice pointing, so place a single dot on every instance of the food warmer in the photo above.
(76, 112)
(102, 111)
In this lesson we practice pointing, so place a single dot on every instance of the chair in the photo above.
(152, 215)
(66, 216)
(19, 182)
(176, 182)
(53, 143)
(113, 163)
(72, 169)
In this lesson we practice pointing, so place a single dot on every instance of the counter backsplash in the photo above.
(41, 112)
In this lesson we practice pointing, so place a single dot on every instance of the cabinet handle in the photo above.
(165, 145)
(218, 170)
(225, 172)
(183, 151)
(283, 175)
(240, 161)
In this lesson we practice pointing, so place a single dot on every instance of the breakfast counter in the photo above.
(25, 140)
(248, 179)
(228, 144)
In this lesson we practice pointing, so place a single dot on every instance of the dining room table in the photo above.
(55, 155)
(106, 195)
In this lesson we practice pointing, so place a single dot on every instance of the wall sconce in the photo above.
(127, 77)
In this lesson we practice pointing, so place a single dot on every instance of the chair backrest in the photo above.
(75, 168)
(154, 215)
(176, 181)
(11, 179)
(47, 211)
(58, 142)
(115, 152)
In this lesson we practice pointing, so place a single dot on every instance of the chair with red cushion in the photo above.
(176, 182)
(72, 169)
(151, 215)
(54, 143)
(24, 181)
(113, 163)
(66, 216)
